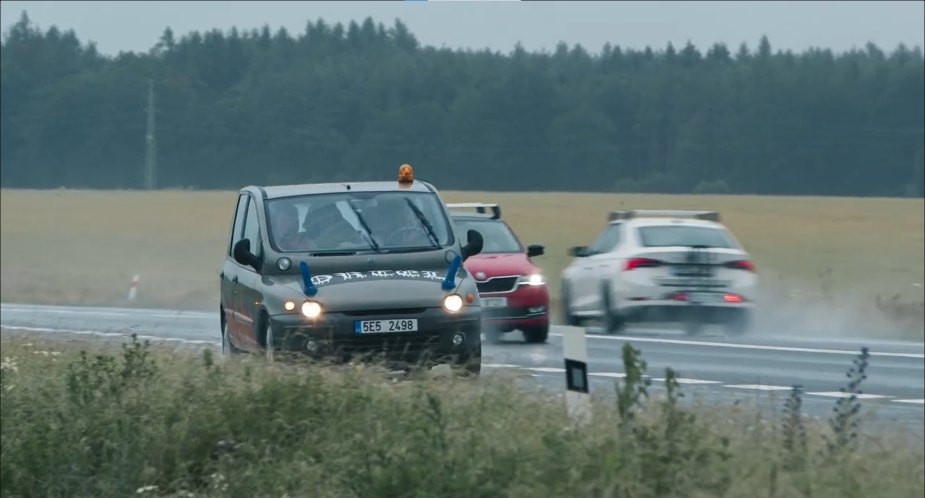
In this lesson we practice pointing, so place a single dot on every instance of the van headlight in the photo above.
(452, 303)
(311, 309)
(533, 279)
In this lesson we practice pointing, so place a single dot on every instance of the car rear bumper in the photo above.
(671, 311)
(631, 292)
(334, 335)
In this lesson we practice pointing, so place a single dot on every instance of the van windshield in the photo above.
(358, 221)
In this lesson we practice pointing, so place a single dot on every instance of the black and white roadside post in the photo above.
(577, 397)
(133, 288)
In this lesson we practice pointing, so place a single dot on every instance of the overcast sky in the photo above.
(499, 25)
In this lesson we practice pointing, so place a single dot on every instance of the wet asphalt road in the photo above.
(714, 370)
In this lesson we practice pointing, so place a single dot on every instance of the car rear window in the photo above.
(684, 236)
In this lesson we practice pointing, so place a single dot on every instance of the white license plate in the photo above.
(698, 271)
(494, 302)
(385, 326)
(704, 297)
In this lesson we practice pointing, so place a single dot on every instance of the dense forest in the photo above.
(336, 103)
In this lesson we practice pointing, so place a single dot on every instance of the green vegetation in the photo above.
(162, 422)
(336, 103)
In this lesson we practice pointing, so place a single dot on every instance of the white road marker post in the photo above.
(577, 397)
(133, 288)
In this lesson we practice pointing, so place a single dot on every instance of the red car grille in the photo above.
(502, 284)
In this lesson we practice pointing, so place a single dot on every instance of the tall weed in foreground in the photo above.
(665, 445)
(845, 422)
(143, 422)
(794, 431)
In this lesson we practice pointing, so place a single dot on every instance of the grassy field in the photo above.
(822, 261)
(89, 419)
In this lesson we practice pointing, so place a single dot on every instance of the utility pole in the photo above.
(150, 152)
(919, 173)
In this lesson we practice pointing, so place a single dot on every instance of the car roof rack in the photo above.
(641, 213)
(479, 207)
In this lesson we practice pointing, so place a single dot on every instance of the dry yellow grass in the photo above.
(82, 247)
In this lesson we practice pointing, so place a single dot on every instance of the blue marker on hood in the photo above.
(450, 281)
(307, 286)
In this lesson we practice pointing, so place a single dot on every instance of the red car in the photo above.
(512, 289)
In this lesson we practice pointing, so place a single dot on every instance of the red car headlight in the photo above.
(532, 279)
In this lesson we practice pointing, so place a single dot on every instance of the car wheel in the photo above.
(228, 348)
(474, 366)
(738, 323)
(492, 334)
(534, 335)
(610, 319)
(693, 322)
(469, 365)
(565, 299)
(270, 347)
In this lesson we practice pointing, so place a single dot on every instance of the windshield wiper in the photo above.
(423, 219)
(369, 232)
(333, 253)
(411, 249)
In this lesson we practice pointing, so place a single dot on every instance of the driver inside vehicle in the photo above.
(326, 228)
(394, 224)
(285, 223)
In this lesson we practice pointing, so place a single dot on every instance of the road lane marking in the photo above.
(747, 346)
(112, 311)
(613, 375)
(106, 334)
(540, 369)
(79, 332)
(759, 387)
(111, 314)
(38, 307)
(597, 332)
(839, 394)
(682, 380)
(203, 315)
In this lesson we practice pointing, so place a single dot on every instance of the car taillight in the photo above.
(742, 265)
(634, 263)
(732, 298)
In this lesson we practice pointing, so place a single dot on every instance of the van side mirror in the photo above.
(242, 254)
(534, 250)
(474, 245)
(578, 252)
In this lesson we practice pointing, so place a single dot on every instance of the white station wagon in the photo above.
(661, 266)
